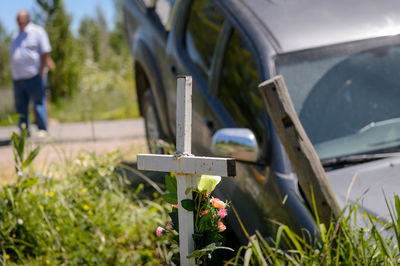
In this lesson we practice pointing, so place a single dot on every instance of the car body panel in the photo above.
(299, 25)
(368, 184)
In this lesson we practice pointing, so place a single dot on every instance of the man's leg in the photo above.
(21, 100)
(38, 94)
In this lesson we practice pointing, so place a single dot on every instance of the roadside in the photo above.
(68, 139)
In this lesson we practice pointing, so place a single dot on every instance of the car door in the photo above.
(236, 102)
(190, 51)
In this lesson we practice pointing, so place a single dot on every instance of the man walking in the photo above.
(29, 61)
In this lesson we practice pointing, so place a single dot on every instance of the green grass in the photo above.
(81, 212)
(342, 242)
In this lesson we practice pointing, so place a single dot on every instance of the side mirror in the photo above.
(238, 143)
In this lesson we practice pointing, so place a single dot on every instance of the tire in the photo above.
(154, 134)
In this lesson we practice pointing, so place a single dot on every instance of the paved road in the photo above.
(66, 140)
(86, 131)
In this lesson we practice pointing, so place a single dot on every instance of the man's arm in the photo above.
(46, 62)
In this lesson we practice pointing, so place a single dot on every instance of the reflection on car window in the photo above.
(204, 25)
(348, 103)
(162, 8)
(238, 87)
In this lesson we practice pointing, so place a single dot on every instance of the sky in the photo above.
(76, 8)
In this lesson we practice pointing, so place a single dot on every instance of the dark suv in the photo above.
(340, 60)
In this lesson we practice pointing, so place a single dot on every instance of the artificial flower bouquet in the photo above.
(209, 214)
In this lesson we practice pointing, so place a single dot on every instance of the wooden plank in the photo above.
(187, 164)
(306, 163)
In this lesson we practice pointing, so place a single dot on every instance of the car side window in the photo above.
(238, 88)
(203, 27)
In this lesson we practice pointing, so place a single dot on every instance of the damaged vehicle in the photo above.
(341, 64)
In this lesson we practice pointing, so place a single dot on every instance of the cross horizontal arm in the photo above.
(187, 164)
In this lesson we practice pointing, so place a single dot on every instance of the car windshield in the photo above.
(347, 96)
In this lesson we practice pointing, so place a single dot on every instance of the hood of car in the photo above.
(298, 24)
(368, 184)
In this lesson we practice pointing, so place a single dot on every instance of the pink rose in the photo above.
(217, 203)
(160, 231)
(169, 225)
(204, 212)
(221, 226)
(222, 213)
(175, 206)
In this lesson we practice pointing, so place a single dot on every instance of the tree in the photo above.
(117, 36)
(5, 40)
(63, 81)
(94, 33)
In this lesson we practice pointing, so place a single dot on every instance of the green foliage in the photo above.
(344, 242)
(5, 42)
(66, 53)
(81, 213)
(105, 94)
(19, 149)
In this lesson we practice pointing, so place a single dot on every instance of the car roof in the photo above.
(303, 24)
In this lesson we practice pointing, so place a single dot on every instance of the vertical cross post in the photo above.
(183, 148)
(185, 166)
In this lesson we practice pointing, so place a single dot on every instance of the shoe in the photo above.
(41, 134)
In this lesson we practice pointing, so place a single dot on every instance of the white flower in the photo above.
(207, 183)
(20, 221)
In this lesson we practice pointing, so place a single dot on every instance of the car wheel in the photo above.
(152, 123)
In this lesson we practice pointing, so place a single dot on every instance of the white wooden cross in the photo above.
(185, 165)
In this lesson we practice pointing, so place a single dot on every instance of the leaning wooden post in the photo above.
(305, 161)
(185, 166)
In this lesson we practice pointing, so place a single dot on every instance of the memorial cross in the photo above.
(185, 165)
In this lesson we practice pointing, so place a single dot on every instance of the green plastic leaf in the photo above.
(170, 184)
(32, 155)
(205, 223)
(188, 204)
(198, 253)
(171, 198)
(212, 237)
(175, 221)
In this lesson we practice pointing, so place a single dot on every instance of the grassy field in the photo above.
(104, 94)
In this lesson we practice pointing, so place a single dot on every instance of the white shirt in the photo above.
(27, 48)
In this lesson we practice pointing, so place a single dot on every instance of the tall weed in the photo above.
(343, 242)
